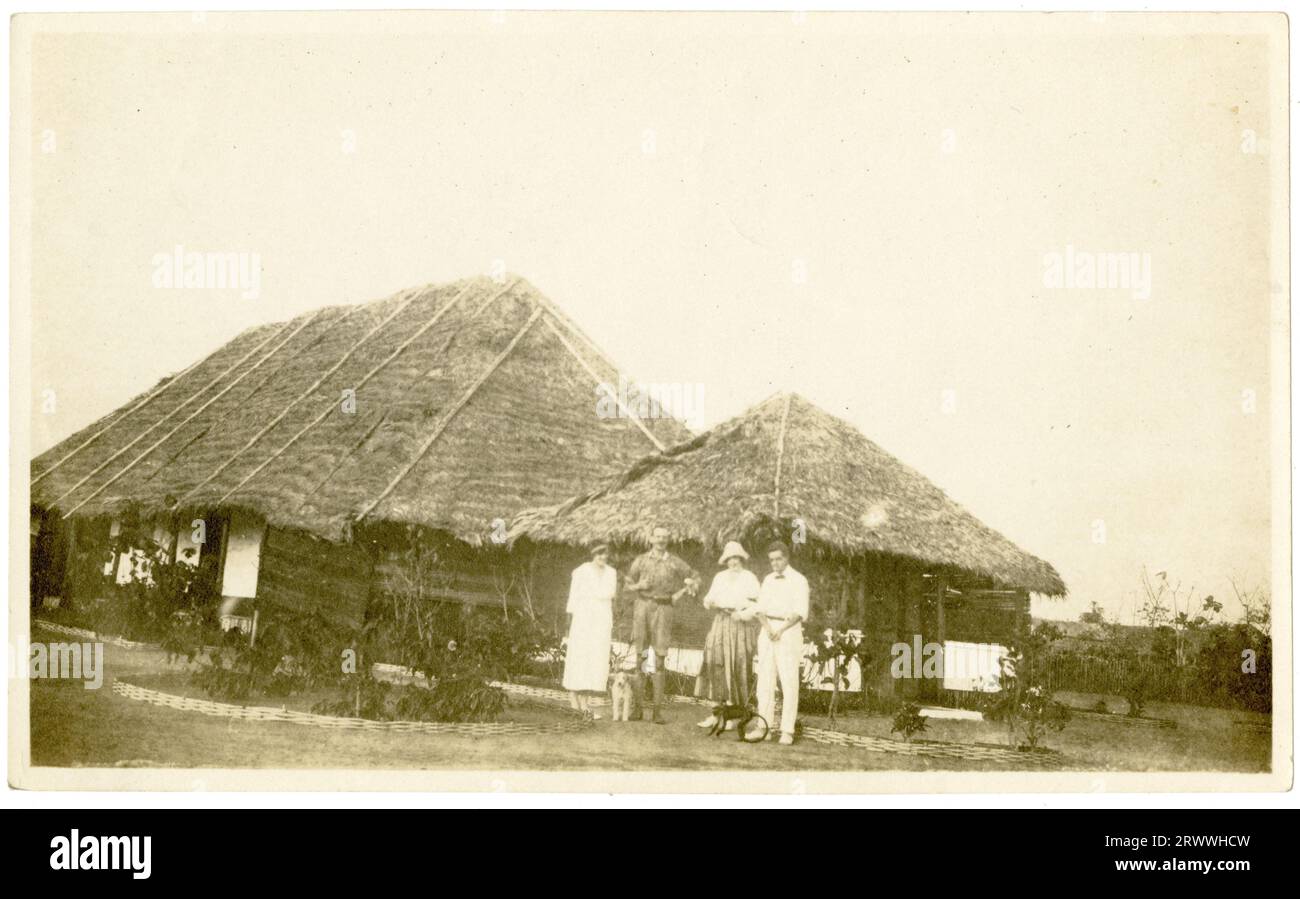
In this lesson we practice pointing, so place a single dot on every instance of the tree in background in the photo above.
(1095, 617)
(1256, 607)
(1168, 610)
(1180, 648)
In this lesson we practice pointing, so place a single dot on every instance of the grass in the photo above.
(73, 727)
(1205, 739)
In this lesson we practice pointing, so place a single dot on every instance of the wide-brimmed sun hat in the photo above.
(733, 549)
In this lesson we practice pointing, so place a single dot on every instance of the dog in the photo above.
(724, 714)
(620, 693)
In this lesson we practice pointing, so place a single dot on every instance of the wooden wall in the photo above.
(985, 616)
(305, 575)
(49, 556)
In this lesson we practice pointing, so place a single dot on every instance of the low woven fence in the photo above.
(87, 635)
(288, 716)
(937, 749)
(402, 674)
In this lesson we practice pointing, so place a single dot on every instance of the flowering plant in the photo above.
(833, 655)
(1023, 701)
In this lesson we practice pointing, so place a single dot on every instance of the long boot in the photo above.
(658, 680)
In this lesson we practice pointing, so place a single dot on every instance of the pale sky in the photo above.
(854, 208)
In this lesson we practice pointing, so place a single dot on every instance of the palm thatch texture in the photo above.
(781, 467)
(449, 407)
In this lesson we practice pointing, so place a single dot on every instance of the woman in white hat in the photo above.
(729, 648)
(591, 605)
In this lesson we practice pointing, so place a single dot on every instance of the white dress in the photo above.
(591, 603)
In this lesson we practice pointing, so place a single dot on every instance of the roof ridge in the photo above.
(447, 418)
(402, 305)
(565, 319)
(636, 419)
(374, 370)
(440, 357)
(780, 457)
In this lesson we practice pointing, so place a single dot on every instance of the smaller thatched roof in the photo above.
(782, 460)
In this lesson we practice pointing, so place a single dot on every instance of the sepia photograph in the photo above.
(650, 402)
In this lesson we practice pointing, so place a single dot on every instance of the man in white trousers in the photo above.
(782, 610)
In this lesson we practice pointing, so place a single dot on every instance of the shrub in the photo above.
(191, 632)
(452, 699)
(166, 602)
(1039, 713)
(441, 637)
(444, 700)
(360, 697)
(1137, 690)
(291, 654)
(1024, 702)
(1228, 676)
(908, 721)
(236, 670)
(833, 654)
(458, 647)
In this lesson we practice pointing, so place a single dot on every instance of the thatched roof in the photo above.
(782, 460)
(473, 400)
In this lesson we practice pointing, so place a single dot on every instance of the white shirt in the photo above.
(732, 590)
(784, 595)
(592, 588)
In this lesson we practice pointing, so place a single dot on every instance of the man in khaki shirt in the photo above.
(659, 579)
(782, 610)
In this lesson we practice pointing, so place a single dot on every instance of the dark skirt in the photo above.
(727, 671)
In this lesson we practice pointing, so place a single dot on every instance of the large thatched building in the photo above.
(886, 551)
(308, 447)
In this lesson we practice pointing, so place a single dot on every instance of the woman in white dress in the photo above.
(591, 605)
(729, 648)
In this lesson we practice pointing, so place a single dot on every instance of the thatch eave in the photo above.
(713, 488)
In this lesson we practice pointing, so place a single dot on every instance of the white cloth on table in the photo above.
(591, 603)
